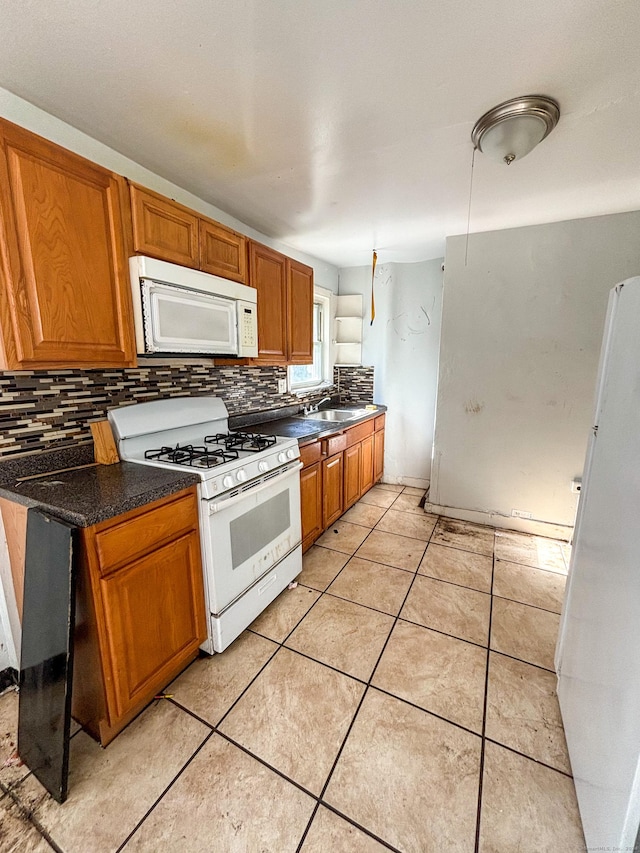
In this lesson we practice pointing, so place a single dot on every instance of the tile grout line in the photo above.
(362, 698)
(29, 815)
(484, 709)
(281, 643)
(164, 792)
(366, 690)
(528, 757)
(215, 729)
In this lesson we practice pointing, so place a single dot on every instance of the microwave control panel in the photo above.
(247, 329)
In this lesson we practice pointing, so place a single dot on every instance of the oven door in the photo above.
(180, 320)
(246, 534)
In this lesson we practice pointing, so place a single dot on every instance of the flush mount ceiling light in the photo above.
(511, 130)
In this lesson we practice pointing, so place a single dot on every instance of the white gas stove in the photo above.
(249, 503)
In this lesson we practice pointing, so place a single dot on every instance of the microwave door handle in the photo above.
(218, 507)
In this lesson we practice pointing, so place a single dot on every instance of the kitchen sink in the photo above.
(336, 415)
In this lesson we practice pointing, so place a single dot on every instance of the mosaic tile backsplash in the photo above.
(354, 384)
(46, 410)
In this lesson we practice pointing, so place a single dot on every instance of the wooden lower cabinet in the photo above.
(337, 471)
(352, 465)
(140, 610)
(366, 464)
(311, 503)
(332, 489)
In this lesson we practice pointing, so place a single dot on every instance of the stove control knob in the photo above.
(281, 457)
(262, 467)
(227, 481)
(290, 454)
(241, 475)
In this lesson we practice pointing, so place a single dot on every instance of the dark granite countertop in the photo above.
(92, 494)
(306, 430)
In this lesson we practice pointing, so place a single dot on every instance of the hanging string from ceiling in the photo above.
(373, 273)
(466, 245)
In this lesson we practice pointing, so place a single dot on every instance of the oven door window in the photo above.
(255, 530)
(244, 541)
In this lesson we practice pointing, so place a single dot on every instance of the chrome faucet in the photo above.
(311, 408)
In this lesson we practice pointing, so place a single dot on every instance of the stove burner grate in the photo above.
(251, 441)
(195, 457)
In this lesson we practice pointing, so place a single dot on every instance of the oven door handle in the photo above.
(218, 507)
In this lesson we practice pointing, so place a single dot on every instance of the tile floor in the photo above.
(401, 697)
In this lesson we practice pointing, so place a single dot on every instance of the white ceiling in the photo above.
(338, 126)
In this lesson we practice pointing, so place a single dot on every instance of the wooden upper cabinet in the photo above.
(285, 306)
(65, 297)
(164, 229)
(268, 274)
(167, 230)
(300, 312)
(222, 251)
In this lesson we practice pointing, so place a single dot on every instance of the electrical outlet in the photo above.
(520, 513)
(282, 386)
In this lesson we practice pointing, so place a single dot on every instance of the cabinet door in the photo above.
(65, 299)
(164, 229)
(154, 619)
(311, 504)
(366, 464)
(378, 455)
(268, 276)
(300, 312)
(332, 504)
(352, 461)
(222, 251)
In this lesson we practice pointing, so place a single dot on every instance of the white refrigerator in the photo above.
(598, 650)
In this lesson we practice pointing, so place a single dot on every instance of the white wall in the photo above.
(402, 345)
(521, 332)
(21, 112)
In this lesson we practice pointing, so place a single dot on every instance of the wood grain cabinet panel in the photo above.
(332, 489)
(152, 614)
(352, 464)
(299, 313)
(65, 299)
(269, 276)
(223, 251)
(366, 464)
(163, 228)
(140, 624)
(311, 503)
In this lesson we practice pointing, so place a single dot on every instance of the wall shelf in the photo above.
(348, 330)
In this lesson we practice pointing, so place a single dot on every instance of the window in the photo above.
(303, 377)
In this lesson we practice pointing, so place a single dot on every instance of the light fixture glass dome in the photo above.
(511, 130)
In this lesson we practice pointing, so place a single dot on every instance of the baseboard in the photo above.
(495, 519)
(416, 482)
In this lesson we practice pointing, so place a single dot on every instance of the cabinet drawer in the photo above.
(334, 444)
(144, 530)
(357, 433)
(379, 423)
(310, 453)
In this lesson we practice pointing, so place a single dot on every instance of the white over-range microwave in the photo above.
(180, 311)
